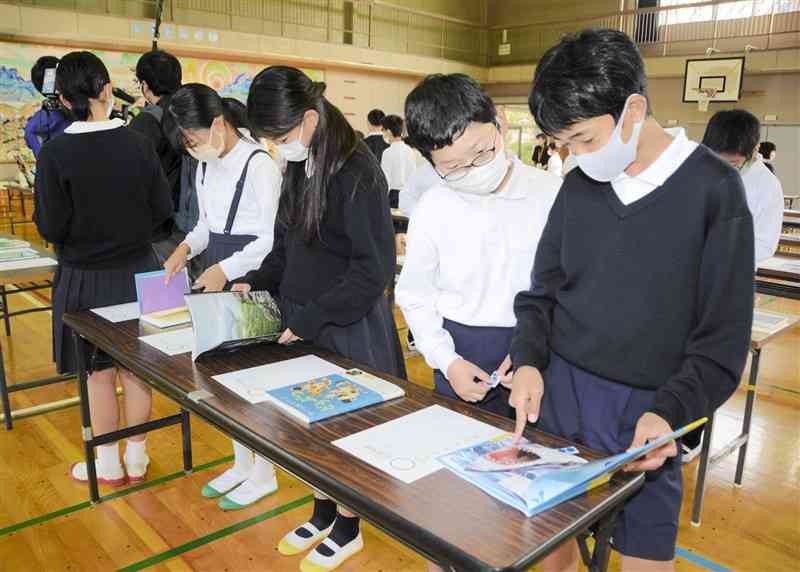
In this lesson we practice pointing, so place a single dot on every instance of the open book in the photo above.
(533, 478)
(162, 305)
(225, 320)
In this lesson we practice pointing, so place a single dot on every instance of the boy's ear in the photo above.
(638, 107)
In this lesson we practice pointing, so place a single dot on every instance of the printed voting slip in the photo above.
(408, 448)
(254, 383)
(162, 305)
(228, 320)
(119, 313)
(27, 263)
(532, 478)
(171, 343)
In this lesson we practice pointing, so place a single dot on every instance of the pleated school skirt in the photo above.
(371, 341)
(77, 290)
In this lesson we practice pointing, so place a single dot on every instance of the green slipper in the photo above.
(227, 504)
(211, 493)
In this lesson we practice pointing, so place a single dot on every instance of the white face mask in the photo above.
(485, 179)
(611, 160)
(206, 152)
(110, 107)
(294, 151)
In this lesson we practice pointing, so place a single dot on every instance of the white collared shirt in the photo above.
(257, 207)
(555, 164)
(398, 163)
(765, 200)
(468, 256)
(93, 126)
(423, 178)
(631, 189)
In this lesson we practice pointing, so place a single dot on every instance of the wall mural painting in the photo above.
(19, 98)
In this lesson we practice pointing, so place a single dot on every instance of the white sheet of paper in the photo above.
(119, 313)
(252, 384)
(172, 343)
(408, 447)
(767, 322)
(786, 265)
(27, 263)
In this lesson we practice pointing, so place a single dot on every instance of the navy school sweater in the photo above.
(656, 295)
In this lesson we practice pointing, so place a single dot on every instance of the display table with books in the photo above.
(779, 276)
(23, 268)
(374, 443)
(766, 327)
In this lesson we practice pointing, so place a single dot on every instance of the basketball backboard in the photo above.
(719, 79)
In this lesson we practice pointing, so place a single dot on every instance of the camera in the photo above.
(51, 101)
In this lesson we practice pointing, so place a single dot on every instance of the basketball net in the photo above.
(704, 96)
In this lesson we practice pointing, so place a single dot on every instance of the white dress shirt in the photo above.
(257, 207)
(93, 126)
(631, 189)
(555, 164)
(422, 179)
(569, 163)
(398, 163)
(468, 256)
(765, 200)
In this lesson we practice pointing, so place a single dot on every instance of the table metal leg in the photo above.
(702, 469)
(748, 415)
(6, 311)
(602, 542)
(4, 393)
(186, 432)
(86, 418)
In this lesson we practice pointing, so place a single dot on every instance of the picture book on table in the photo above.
(331, 395)
(533, 478)
(161, 304)
(226, 320)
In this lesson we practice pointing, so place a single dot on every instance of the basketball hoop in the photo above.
(704, 96)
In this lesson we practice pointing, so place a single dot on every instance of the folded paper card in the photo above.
(160, 304)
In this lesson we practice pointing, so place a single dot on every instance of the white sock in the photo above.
(263, 472)
(108, 458)
(135, 451)
(242, 458)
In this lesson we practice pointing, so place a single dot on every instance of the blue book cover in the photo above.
(325, 397)
(533, 478)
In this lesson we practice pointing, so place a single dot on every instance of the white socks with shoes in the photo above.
(261, 482)
(136, 460)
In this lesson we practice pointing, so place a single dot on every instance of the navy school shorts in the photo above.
(602, 415)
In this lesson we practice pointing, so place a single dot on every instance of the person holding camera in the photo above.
(51, 120)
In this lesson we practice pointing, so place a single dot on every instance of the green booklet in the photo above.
(226, 320)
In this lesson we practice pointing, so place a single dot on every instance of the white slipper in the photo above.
(293, 543)
(79, 472)
(317, 562)
(137, 472)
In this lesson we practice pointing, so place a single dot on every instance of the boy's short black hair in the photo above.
(394, 125)
(37, 71)
(441, 107)
(161, 70)
(586, 75)
(376, 117)
(734, 131)
(766, 148)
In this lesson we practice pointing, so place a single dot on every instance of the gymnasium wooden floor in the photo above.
(46, 523)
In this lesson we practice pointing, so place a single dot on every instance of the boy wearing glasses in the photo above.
(471, 241)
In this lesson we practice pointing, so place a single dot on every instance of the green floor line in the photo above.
(129, 491)
(222, 533)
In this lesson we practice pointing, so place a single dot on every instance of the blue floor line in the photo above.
(700, 561)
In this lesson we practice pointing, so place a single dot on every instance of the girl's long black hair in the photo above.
(195, 106)
(81, 76)
(278, 99)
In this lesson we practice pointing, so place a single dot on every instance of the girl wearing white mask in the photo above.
(100, 194)
(471, 241)
(237, 189)
(333, 258)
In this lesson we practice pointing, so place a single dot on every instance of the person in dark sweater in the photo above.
(159, 75)
(374, 139)
(332, 259)
(638, 318)
(100, 193)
